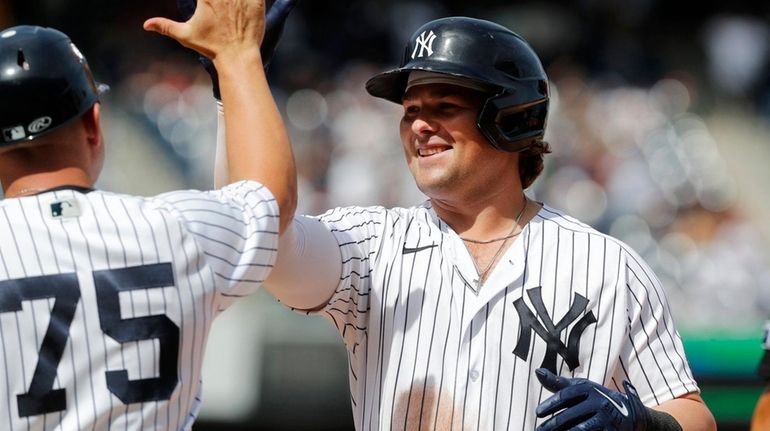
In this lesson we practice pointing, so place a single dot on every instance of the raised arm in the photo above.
(308, 268)
(258, 147)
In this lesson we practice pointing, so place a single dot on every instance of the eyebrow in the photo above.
(435, 93)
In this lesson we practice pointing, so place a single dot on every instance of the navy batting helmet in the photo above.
(514, 115)
(45, 82)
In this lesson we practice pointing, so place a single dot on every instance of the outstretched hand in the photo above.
(275, 19)
(580, 404)
(217, 27)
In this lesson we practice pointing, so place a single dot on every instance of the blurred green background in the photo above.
(660, 127)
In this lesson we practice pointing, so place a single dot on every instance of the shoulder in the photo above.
(234, 191)
(376, 215)
(554, 220)
(110, 200)
(551, 216)
(239, 196)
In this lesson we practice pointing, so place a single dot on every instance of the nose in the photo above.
(423, 125)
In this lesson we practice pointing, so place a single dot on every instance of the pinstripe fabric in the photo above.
(426, 351)
(216, 247)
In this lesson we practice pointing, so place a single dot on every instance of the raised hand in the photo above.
(275, 20)
(217, 27)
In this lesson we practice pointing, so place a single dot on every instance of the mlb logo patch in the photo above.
(65, 209)
(14, 133)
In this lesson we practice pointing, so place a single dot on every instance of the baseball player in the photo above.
(482, 309)
(106, 300)
(761, 418)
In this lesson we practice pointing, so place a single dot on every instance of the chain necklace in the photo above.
(511, 234)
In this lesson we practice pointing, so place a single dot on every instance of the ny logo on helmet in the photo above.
(424, 43)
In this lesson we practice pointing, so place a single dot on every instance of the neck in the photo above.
(31, 184)
(483, 218)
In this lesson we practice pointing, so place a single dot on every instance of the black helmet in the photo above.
(514, 115)
(45, 82)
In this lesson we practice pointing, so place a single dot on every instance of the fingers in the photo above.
(567, 392)
(215, 27)
(563, 399)
(630, 389)
(575, 419)
(165, 27)
(551, 381)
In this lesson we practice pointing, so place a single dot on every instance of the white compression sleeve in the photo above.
(221, 169)
(308, 268)
(309, 264)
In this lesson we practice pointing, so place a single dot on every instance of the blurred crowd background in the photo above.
(659, 122)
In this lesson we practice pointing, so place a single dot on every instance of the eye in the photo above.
(448, 106)
(411, 110)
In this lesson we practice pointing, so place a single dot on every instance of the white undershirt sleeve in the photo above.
(221, 169)
(308, 268)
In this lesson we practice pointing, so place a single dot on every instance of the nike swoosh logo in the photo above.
(621, 408)
(408, 250)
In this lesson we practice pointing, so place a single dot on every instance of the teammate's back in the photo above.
(106, 301)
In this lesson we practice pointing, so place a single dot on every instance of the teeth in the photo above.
(425, 152)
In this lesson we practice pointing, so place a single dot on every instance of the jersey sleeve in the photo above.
(236, 229)
(359, 234)
(653, 360)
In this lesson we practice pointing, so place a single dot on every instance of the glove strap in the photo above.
(661, 421)
(647, 419)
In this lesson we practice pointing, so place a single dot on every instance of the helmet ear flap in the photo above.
(512, 126)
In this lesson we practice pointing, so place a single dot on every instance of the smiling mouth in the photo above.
(427, 152)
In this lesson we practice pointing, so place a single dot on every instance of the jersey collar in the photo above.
(79, 189)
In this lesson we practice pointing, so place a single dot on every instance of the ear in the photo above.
(92, 122)
(94, 141)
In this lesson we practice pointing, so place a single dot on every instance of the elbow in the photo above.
(690, 412)
(708, 421)
(287, 205)
(711, 422)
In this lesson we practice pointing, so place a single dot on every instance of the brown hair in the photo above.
(531, 162)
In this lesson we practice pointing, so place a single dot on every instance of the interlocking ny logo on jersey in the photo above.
(550, 332)
(424, 43)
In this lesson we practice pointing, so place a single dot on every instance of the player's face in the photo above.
(446, 153)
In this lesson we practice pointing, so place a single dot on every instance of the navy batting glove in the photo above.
(580, 404)
(275, 19)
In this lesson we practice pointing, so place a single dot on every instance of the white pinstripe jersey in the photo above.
(427, 351)
(106, 301)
